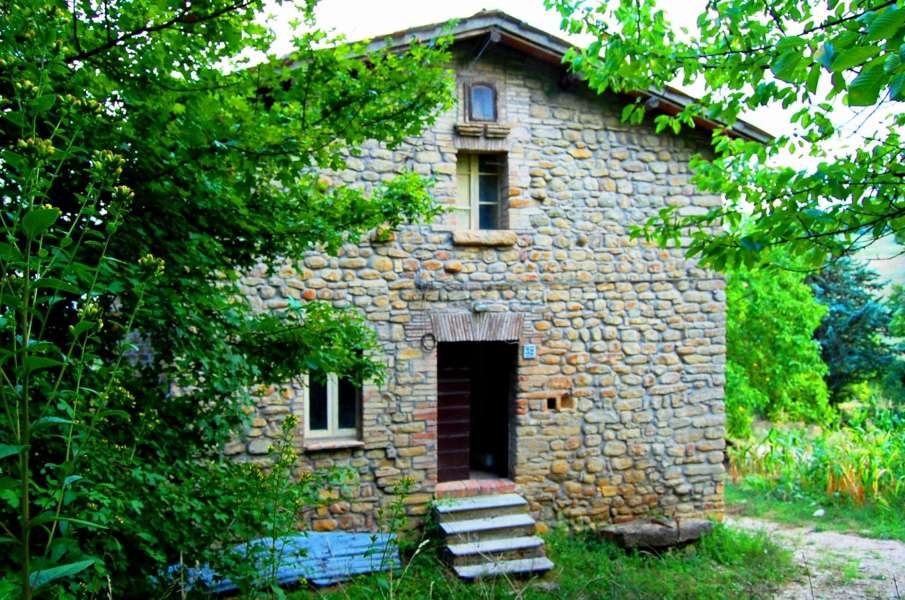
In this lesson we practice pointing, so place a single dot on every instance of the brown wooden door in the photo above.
(453, 412)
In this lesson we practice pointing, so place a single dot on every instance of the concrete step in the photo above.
(478, 507)
(507, 567)
(504, 549)
(485, 528)
(489, 536)
(452, 505)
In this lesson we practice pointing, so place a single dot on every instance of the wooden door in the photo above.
(453, 412)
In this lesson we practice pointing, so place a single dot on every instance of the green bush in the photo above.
(773, 366)
(148, 161)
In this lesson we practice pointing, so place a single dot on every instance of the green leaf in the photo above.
(627, 111)
(897, 87)
(39, 220)
(11, 498)
(35, 363)
(81, 327)
(785, 65)
(49, 517)
(9, 251)
(839, 82)
(45, 576)
(43, 103)
(50, 421)
(9, 450)
(886, 24)
(852, 57)
(15, 117)
(813, 79)
(111, 412)
(865, 88)
(57, 284)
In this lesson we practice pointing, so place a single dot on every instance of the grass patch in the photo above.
(749, 498)
(843, 569)
(727, 564)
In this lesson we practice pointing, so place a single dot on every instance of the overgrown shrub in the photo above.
(147, 162)
(773, 366)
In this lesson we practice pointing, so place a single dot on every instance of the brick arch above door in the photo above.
(476, 327)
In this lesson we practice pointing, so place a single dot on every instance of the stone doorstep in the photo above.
(486, 524)
(477, 503)
(474, 507)
(495, 546)
(467, 488)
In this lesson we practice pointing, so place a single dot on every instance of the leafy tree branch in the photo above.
(838, 192)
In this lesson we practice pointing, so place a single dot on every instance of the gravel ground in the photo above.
(837, 565)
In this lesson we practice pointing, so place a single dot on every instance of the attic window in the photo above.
(482, 102)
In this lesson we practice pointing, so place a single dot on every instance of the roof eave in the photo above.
(547, 48)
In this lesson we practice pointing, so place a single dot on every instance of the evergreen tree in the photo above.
(854, 334)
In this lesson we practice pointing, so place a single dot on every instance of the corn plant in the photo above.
(860, 465)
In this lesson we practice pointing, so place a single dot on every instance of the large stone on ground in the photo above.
(657, 534)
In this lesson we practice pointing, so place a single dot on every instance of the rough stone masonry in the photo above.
(630, 338)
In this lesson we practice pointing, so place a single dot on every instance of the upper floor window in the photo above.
(333, 407)
(480, 179)
(482, 104)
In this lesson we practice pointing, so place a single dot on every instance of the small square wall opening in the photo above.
(567, 403)
(551, 403)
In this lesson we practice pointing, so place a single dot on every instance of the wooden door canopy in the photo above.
(481, 327)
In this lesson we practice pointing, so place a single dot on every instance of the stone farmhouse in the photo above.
(536, 354)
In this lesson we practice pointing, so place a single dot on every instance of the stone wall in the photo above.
(630, 338)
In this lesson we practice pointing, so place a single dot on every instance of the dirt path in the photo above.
(837, 565)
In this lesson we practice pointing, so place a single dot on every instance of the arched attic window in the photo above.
(482, 102)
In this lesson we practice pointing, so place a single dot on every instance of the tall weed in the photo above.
(861, 465)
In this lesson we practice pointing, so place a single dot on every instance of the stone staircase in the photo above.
(488, 536)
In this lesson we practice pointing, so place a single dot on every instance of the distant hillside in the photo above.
(879, 253)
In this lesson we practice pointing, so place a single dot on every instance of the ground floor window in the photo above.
(333, 406)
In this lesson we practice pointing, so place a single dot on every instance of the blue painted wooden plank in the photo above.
(321, 558)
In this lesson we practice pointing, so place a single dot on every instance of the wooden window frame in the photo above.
(333, 431)
(474, 192)
(470, 104)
